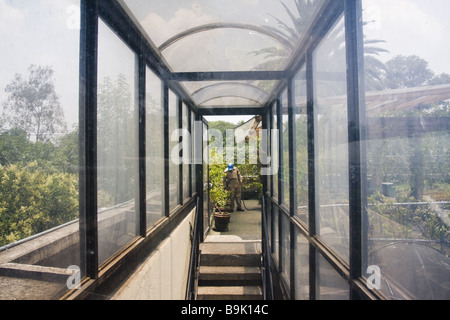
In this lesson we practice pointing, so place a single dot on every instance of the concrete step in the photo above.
(230, 293)
(230, 271)
(229, 276)
(230, 254)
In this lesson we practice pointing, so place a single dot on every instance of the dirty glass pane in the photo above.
(226, 35)
(275, 232)
(117, 144)
(174, 149)
(408, 153)
(331, 140)
(154, 148)
(329, 284)
(285, 141)
(301, 140)
(193, 146)
(275, 142)
(301, 267)
(186, 144)
(229, 93)
(285, 250)
(39, 99)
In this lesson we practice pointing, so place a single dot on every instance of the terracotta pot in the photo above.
(221, 221)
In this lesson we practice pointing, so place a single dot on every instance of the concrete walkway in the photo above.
(244, 225)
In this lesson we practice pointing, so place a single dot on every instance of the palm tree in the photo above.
(300, 22)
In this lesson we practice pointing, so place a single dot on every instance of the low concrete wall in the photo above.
(163, 275)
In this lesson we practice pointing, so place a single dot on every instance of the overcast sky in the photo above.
(411, 27)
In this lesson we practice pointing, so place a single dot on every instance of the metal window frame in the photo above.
(88, 139)
(117, 19)
(351, 272)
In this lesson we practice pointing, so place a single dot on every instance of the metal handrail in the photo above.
(266, 266)
(194, 258)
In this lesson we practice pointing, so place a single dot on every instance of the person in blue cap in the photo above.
(233, 183)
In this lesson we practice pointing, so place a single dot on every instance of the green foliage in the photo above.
(405, 221)
(32, 201)
(217, 192)
(33, 104)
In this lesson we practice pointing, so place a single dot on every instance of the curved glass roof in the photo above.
(198, 36)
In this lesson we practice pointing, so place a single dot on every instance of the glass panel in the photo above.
(154, 148)
(269, 150)
(206, 202)
(285, 132)
(174, 169)
(275, 234)
(38, 147)
(193, 146)
(275, 151)
(117, 144)
(408, 154)
(221, 50)
(301, 267)
(228, 102)
(331, 140)
(330, 285)
(301, 152)
(231, 35)
(186, 152)
(230, 89)
(285, 249)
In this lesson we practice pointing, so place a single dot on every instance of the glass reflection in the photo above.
(154, 148)
(117, 151)
(301, 140)
(408, 155)
(331, 140)
(174, 172)
(329, 284)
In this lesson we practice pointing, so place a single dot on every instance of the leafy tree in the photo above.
(33, 104)
(407, 72)
(66, 156)
(14, 147)
(443, 78)
(32, 201)
(116, 133)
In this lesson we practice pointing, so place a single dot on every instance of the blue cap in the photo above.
(230, 166)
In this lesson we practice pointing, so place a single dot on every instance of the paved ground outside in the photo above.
(244, 225)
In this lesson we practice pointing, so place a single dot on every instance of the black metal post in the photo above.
(166, 196)
(142, 145)
(88, 139)
(280, 178)
(180, 152)
(356, 133)
(311, 173)
(292, 180)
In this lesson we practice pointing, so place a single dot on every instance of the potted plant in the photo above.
(219, 198)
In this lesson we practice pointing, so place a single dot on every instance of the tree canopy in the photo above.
(33, 105)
